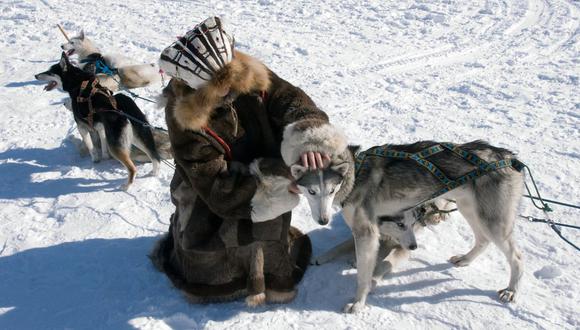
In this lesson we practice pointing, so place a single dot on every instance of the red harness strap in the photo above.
(221, 141)
(263, 95)
(215, 136)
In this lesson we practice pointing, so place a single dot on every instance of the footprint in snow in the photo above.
(547, 272)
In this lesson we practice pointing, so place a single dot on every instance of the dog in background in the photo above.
(122, 75)
(95, 108)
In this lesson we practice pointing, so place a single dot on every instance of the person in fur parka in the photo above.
(233, 139)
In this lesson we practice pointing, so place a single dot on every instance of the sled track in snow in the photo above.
(519, 22)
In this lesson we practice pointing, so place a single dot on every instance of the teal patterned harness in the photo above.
(483, 167)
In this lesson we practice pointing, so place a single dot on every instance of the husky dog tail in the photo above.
(143, 135)
(139, 75)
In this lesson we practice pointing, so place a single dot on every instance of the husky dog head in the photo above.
(79, 45)
(320, 187)
(63, 75)
(401, 227)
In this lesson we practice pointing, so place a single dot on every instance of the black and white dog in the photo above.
(95, 108)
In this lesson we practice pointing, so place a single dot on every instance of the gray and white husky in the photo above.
(380, 204)
(126, 76)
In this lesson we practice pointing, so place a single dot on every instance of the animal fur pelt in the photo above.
(243, 75)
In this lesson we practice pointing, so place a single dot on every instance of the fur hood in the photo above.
(243, 75)
(311, 135)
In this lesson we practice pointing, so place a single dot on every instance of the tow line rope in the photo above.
(544, 207)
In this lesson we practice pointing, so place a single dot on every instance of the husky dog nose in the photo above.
(413, 246)
(323, 221)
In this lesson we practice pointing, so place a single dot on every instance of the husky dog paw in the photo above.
(256, 300)
(460, 261)
(125, 186)
(95, 157)
(353, 308)
(153, 173)
(506, 295)
(374, 283)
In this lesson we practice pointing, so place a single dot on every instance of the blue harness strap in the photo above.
(102, 67)
(483, 167)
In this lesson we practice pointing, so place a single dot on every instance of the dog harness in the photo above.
(482, 167)
(90, 88)
(96, 64)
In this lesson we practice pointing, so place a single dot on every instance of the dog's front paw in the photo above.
(95, 157)
(353, 308)
(460, 261)
(506, 295)
(374, 283)
(153, 173)
(125, 186)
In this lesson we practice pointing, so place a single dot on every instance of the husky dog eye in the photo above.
(311, 192)
(401, 225)
(332, 191)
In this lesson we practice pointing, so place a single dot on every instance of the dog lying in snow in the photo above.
(124, 75)
(380, 203)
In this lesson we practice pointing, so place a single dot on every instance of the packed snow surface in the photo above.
(73, 248)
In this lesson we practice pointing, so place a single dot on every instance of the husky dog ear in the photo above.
(297, 170)
(341, 168)
(354, 149)
(82, 35)
(64, 63)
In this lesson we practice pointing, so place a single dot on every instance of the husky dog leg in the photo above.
(142, 133)
(119, 143)
(124, 156)
(467, 208)
(366, 240)
(88, 141)
(514, 257)
(385, 266)
(341, 249)
(492, 217)
(103, 137)
(152, 154)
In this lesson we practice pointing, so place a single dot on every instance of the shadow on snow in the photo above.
(18, 166)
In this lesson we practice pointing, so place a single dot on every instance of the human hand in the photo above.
(315, 160)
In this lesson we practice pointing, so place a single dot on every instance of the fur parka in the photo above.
(230, 235)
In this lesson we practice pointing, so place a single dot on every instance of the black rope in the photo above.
(554, 202)
(532, 219)
(559, 232)
(545, 207)
(555, 227)
(145, 124)
(135, 95)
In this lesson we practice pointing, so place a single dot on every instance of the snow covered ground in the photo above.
(73, 249)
